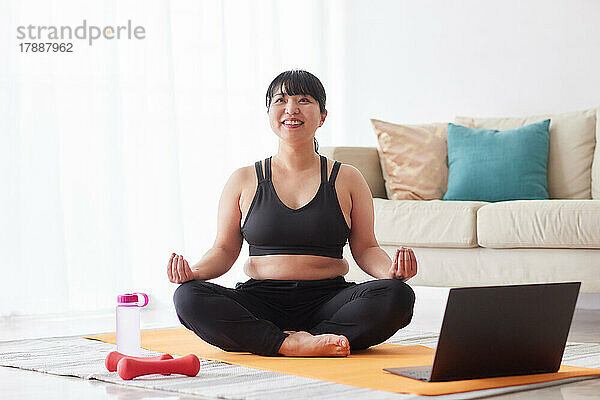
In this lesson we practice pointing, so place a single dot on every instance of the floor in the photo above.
(21, 384)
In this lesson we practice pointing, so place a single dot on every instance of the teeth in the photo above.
(293, 122)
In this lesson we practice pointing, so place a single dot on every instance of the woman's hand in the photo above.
(404, 265)
(179, 270)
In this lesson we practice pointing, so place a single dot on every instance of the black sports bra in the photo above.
(317, 228)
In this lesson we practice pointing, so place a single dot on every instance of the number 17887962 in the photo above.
(46, 47)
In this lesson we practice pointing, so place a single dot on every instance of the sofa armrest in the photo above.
(365, 159)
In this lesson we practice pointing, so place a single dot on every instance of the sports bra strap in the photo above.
(334, 171)
(268, 168)
(259, 173)
(267, 177)
(323, 168)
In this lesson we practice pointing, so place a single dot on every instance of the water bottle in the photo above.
(128, 324)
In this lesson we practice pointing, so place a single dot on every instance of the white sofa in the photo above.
(473, 243)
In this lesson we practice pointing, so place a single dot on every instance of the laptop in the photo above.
(494, 331)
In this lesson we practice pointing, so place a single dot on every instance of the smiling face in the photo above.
(295, 117)
(296, 105)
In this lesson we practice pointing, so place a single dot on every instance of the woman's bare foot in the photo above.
(304, 344)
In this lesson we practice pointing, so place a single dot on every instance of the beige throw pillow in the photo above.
(414, 159)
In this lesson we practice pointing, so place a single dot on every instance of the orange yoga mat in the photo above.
(362, 369)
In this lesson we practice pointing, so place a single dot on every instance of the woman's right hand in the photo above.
(179, 270)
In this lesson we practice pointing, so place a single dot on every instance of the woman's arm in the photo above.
(215, 262)
(375, 262)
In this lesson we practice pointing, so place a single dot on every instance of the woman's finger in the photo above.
(402, 264)
(172, 268)
(400, 268)
(398, 264)
(413, 271)
(408, 264)
(189, 274)
(394, 265)
(181, 269)
(186, 271)
(176, 269)
(169, 274)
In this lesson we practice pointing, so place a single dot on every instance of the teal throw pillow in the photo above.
(491, 165)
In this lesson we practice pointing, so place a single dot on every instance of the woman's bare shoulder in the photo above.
(249, 172)
(247, 178)
(240, 179)
(347, 173)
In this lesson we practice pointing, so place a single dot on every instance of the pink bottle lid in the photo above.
(131, 300)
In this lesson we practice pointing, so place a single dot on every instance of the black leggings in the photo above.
(252, 317)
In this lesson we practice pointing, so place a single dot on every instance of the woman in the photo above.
(297, 302)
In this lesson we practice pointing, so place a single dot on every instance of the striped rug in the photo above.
(83, 358)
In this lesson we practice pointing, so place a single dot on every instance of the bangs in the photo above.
(297, 82)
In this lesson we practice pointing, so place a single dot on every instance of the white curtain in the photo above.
(115, 155)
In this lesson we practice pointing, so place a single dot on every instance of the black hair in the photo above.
(297, 81)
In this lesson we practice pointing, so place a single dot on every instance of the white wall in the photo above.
(425, 61)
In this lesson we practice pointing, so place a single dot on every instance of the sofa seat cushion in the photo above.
(426, 223)
(448, 267)
(540, 223)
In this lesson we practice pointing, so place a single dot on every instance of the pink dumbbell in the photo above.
(113, 358)
(130, 367)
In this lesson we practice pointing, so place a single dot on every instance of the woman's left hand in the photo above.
(404, 265)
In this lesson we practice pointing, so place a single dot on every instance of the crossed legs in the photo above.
(233, 320)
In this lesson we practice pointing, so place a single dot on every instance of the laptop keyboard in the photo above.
(421, 374)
